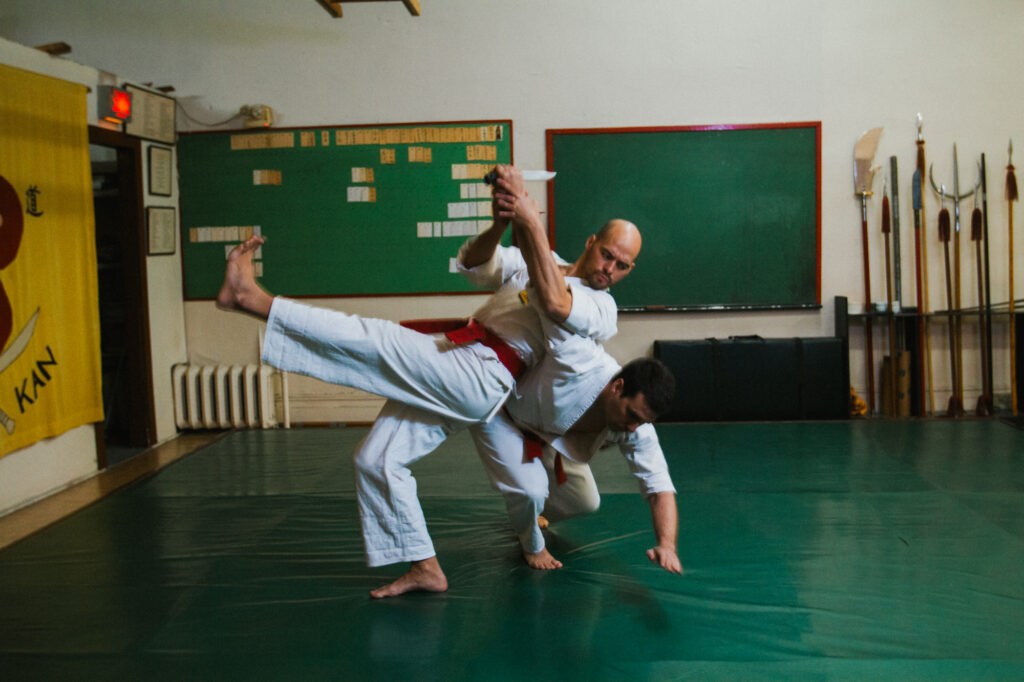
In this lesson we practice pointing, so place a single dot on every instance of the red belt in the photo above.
(533, 447)
(460, 331)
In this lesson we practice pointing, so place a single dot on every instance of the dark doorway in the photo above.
(130, 421)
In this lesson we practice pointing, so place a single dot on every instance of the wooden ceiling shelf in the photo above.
(333, 7)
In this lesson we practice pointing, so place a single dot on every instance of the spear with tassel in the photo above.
(890, 376)
(955, 407)
(984, 407)
(1011, 196)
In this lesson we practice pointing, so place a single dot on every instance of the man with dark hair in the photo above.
(653, 379)
(571, 406)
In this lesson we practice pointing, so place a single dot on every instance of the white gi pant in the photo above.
(465, 383)
(530, 487)
(433, 386)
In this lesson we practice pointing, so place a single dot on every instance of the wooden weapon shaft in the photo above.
(1013, 319)
(897, 266)
(920, 302)
(890, 375)
(924, 325)
(958, 320)
(955, 404)
(1011, 196)
(869, 336)
(984, 407)
(984, 301)
(955, 407)
(956, 305)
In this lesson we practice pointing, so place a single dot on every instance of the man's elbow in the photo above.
(558, 311)
(665, 497)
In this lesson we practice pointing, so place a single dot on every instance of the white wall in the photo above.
(52, 464)
(166, 315)
(579, 63)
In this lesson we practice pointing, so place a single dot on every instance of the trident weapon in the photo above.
(956, 197)
(863, 176)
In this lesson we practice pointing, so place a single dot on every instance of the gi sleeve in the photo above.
(593, 313)
(646, 460)
(505, 262)
(593, 316)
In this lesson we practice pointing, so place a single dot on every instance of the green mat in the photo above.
(847, 550)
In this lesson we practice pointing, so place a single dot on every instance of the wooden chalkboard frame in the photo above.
(292, 266)
(809, 259)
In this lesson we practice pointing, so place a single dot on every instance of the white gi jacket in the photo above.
(554, 394)
(549, 399)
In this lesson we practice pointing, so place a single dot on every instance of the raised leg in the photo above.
(240, 291)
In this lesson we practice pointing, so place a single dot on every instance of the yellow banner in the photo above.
(50, 374)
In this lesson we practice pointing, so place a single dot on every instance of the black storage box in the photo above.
(756, 379)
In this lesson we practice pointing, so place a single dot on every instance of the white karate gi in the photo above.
(433, 386)
(549, 398)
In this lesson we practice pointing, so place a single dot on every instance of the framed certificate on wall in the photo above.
(160, 228)
(152, 115)
(160, 173)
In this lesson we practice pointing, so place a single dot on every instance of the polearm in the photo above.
(897, 269)
(984, 407)
(955, 305)
(897, 266)
(1011, 196)
(921, 319)
(890, 376)
(989, 389)
(955, 407)
(863, 175)
(921, 222)
(956, 280)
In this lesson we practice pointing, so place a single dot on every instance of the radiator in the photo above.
(223, 396)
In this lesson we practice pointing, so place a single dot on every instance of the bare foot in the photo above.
(423, 576)
(240, 290)
(542, 560)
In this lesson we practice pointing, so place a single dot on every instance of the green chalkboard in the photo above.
(730, 215)
(347, 211)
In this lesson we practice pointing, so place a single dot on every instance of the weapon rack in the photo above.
(907, 321)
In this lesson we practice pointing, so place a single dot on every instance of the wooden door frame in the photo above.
(140, 361)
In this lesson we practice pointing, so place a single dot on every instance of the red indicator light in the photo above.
(121, 104)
